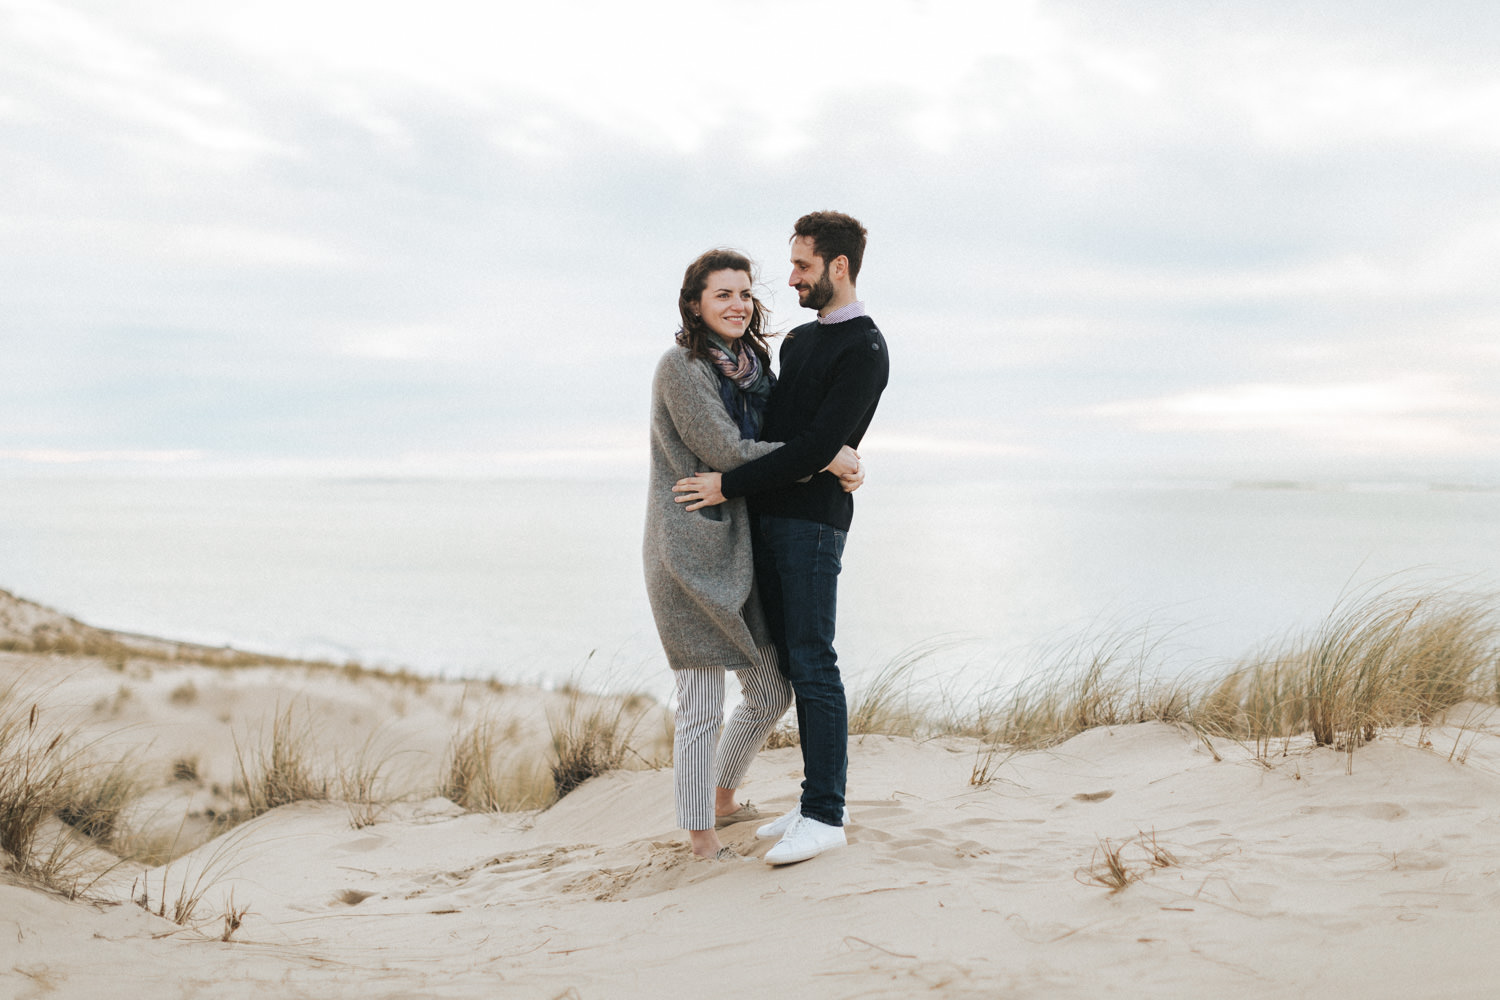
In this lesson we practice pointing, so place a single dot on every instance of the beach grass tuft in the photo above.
(887, 706)
(592, 736)
(362, 785)
(1380, 661)
(94, 803)
(41, 772)
(279, 771)
(480, 776)
(1108, 867)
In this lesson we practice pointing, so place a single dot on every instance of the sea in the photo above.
(538, 581)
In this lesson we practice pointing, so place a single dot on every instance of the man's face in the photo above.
(809, 275)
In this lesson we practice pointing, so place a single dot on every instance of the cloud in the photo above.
(1413, 413)
(61, 457)
(317, 229)
(79, 64)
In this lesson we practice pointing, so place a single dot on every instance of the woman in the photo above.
(707, 399)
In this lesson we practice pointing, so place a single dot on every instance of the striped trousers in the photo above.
(701, 758)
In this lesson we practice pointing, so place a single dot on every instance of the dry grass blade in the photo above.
(988, 760)
(184, 884)
(886, 704)
(1107, 867)
(233, 917)
(361, 786)
(1156, 854)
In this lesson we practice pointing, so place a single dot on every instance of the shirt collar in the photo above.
(851, 311)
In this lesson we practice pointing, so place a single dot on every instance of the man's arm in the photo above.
(855, 385)
(704, 489)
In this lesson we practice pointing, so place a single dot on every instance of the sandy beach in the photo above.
(1278, 869)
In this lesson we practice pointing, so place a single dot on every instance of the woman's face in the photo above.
(726, 304)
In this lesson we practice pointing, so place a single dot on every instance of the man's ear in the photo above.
(840, 267)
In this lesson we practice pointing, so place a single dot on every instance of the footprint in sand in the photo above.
(876, 811)
(665, 868)
(1369, 810)
(991, 821)
(921, 852)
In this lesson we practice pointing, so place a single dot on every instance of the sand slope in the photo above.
(1293, 876)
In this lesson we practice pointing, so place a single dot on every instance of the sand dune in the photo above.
(1297, 872)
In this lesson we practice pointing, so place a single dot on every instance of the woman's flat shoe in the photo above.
(743, 814)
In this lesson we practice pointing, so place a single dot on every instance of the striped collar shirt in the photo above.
(851, 311)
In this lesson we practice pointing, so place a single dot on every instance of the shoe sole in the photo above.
(778, 862)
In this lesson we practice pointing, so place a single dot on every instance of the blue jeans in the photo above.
(797, 573)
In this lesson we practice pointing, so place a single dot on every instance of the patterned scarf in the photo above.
(744, 383)
(742, 369)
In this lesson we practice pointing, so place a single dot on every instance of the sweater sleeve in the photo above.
(855, 383)
(688, 390)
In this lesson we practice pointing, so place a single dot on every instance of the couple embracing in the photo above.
(750, 499)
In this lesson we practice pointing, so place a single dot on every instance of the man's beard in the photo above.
(818, 295)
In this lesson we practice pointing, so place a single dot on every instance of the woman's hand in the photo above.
(845, 463)
(699, 491)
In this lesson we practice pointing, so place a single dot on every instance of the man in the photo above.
(832, 373)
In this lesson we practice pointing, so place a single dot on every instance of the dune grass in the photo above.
(483, 773)
(593, 735)
(95, 802)
(1381, 660)
(1385, 661)
(280, 771)
(886, 705)
(178, 889)
(1110, 869)
(58, 803)
(44, 773)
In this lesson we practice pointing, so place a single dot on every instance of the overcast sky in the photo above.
(446, 237)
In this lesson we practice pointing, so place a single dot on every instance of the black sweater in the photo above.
(831, 380)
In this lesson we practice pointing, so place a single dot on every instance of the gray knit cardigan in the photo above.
(699, 573)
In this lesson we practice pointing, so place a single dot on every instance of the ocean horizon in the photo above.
(538, 580)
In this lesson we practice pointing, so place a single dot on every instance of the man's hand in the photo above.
(855, 481)
(699, 491)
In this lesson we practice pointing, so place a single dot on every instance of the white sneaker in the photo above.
(781, 824)
(806, 839)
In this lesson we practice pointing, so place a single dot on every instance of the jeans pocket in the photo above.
(831, 547)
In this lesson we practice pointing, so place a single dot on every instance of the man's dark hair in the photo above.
(834, 234)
